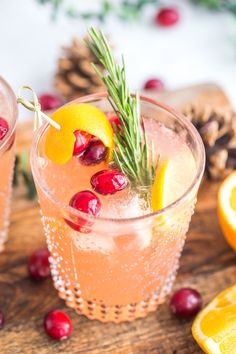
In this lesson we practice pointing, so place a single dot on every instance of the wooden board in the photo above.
(207, 264)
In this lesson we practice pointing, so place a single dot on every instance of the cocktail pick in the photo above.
(34, 106)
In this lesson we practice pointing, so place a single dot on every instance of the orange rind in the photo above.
(59, 144)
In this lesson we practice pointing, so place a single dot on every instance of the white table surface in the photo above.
(199, 49)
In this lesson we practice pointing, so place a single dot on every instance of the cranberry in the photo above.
(115, 121)
(186, 303)
(38, 264)
(49, 102)
(167, 16)
(2, 320)
(108, 181)
(4, 128)
(57, 325)
(154, 84)
(82, 141)
(87, 202)
(94, 154)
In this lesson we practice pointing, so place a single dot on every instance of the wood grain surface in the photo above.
(207, 264)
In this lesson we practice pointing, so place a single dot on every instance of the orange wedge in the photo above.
(159, 196)
(227, 209)
(214, 328)
(59, 144)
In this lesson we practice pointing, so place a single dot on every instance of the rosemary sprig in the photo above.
(132, 155)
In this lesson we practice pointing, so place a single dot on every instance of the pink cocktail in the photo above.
(8, 117)
(121, 264)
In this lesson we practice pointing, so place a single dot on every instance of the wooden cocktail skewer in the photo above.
(34, 106)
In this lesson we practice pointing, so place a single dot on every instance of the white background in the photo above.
(199, 49)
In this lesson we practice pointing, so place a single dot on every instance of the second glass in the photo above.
(125, 267)
(8, 116)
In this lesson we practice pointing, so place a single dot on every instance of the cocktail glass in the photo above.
(8, 111)
(125, 267)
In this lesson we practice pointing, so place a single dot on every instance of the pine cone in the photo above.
(75, 76)
(217, 128)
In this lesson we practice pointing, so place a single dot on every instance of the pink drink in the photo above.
(8, 111)
(125, 266)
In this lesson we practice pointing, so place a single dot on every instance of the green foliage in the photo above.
(212, 4)
(221, 5)
(124, 9)
(22, 173)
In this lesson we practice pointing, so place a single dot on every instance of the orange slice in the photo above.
(160, 186)
(227, 209)
(59, 144)
(214, 328)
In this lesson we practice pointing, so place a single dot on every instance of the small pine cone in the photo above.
(217, 128)
(75, 75)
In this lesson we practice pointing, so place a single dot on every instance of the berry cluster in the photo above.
(92, 151)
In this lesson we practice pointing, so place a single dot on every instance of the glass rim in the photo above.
(76, 213)
(15, 112)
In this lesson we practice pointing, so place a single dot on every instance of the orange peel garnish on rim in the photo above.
(59, 144)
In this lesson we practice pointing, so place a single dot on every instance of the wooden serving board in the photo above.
(207, 264)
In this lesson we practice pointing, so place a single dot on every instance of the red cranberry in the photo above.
(94, 154)
(154, 84)
(167, 16)
(49, 102)
(108, 181)
(82, 141)
(186, 303)
(2, 320)
(4, 127)
(57, 325)
(114, 120)
(87, 202)
(38, 264)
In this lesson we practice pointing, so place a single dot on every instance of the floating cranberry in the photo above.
(154, 84)
(2, 320)
(115, 121)
(87, 202)
(38, 264)
(94, 154)
(82, 141)
(167, 16)
(49, 102)
(57, 325)
(4, 127)
(108, 181)
(186, 303)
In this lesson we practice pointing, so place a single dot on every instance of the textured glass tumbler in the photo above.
(124, 268)
(8, 111)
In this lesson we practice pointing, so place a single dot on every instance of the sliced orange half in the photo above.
(214, 328)
(59, 144)
(227, 209)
